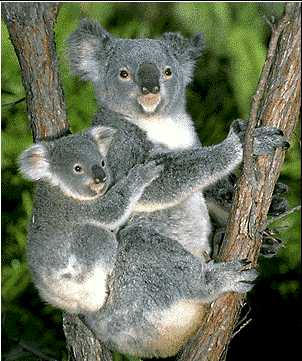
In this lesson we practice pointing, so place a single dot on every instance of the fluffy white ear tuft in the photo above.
(103, 137)
(88, 49)
(33, 163)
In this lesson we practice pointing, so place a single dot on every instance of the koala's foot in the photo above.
(279, 203)
(278, 206)
(217, 239)
(271, 245)
(230, 276)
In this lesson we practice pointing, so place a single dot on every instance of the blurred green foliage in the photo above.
(236, 36)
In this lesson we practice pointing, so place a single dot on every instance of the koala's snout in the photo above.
(99, 184)
(98, 173)
(148, 78)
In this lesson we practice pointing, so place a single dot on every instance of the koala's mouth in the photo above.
(149, 102)
(98, 189)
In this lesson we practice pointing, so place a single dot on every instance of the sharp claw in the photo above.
(280, 132)
(285, 145)
(245, 262)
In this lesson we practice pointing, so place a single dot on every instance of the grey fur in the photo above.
(160, 264)
(71, 241)
(188, 167)
(152, 277)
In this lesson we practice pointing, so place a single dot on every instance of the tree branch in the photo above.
(30, 26)
(276, 103)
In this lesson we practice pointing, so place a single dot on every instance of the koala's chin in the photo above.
(98, 189)
(149, 103)
(91, 192)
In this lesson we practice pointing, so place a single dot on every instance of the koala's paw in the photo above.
(267, 139)
(279, 203)
(278, 206)
(280, 188)
(238, 127)
(270, 246)
(146, 173)
(233, 276)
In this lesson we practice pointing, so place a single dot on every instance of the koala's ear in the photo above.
(89, 47)
(33, 163)
(186, 51)
(103, 137)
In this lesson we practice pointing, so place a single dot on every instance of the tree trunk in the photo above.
(276, 103)
(30, 26)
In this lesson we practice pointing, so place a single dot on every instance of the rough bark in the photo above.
(276, 103)
(31, 30)
(82, 344)
(30, 26)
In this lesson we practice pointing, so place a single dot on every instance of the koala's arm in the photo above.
(114, 208)
(191, 170)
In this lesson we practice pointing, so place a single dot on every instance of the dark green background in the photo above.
(226, 76)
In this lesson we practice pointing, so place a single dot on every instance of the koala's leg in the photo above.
(219, 202)
(78, 283)
(233, 276)
(157, 294)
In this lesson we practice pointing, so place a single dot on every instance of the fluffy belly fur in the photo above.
(175, 326)
(188, 223)
(168, 331)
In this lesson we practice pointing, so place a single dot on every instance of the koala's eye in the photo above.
(77, 168)
(103, 163)
(124, 74)
(168, 73)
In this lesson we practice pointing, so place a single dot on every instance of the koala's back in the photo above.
(130, 146)
(49, 241)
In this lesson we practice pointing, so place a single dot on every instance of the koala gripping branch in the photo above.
(276, 103)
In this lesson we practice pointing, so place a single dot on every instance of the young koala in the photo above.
(71, 243)
(129, 286)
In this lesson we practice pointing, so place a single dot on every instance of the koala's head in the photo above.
(76, 163)
(134, 77)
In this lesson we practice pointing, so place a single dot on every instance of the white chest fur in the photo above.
(172, 132)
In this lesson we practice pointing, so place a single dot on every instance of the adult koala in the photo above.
(140, 85)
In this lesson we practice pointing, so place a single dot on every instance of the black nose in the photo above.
(148, 78)
(98, 174)
(154, 90)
